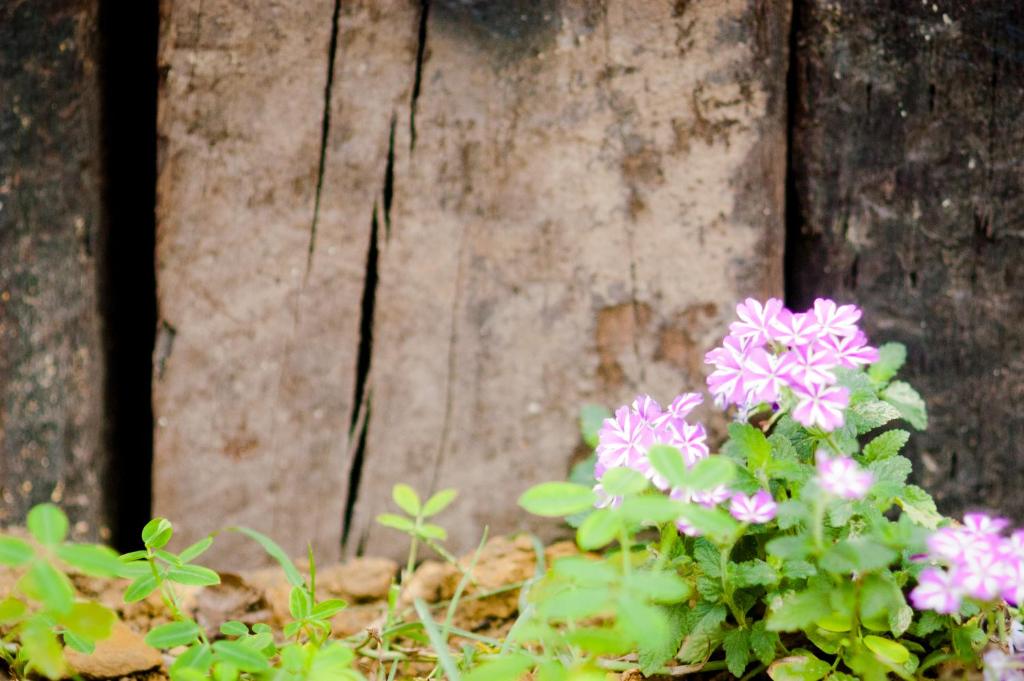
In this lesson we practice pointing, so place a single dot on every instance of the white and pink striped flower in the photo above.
(794, 328)
(843, 477)
(850, 351)
(755, 320)
(937, 590)
(820, 405)
(766, 374)
(759, 508)
(835, 320)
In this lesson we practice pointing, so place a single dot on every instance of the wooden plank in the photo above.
(51, 359)
(586, 191)
(255, 354)
(907, 144)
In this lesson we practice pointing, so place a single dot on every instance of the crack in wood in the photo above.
(325, 130)
(389, 180)
(421, 50)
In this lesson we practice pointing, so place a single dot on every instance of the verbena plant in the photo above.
(799, 550)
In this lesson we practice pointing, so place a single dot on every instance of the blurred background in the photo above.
(259, 260)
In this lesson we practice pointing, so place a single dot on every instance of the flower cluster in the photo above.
(771, 349)
(625, 439)
(973, 560)
(842, 476)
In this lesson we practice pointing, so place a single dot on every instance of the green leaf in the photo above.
(504, 668)
(709, 588)
(789, 548)
(659, 587)
(748, 444)
(196, 550)
(585, 571)
(234, 628)
(737, 651)
(275, 552)
(431, 531)
(900, 619)
(14, 551)
(753, 573)
(90, 621)
(600, 641)
(798, 569)
(140, 588)
(46, 583)
(623, 481)
(574, 604)
(880, 598)
(650, 509)
(396, 522)
(598, 530)
(894, 469)
(713, 522)
(47, 523)
(225, 671)
(763, 642)
(439, 502)
(437, 641)
(592, 417)
(798, 668)
(798, 610)
(157, 533)
(197, 657)
(406, 498)
(908, 402)
(240, 655)
(669, 462)
(929, 622)
(885, 445)
(299, 603)
(12, 610)
(77, 643)
(856, 555)
(652, 631)
(329, 608)
(891, 357)
(919, 506)
(709, 473)
(554, 499)
(873, 414)
(193, 575)
(708, 557)
(91, 559)
(887, 649)
(173, 634)
(42, 650)
(705, 635)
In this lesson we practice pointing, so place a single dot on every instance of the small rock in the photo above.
(122, 654)
(358, 618)
(433, 581)
(359, 580)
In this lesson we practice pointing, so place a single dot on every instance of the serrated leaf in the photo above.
(709, 588)
(748, 444)
(894, 469)
(439, 502)
(789, 548)
(885, 445)
(406, 498)
(592, 417)
(753, 573)
(554, 499)
(737, 651)
(908, 402)
(705, 635)
(798, 610)
(929, 622)
(891, 356)
(14, 551)
(919, 506)
(172, 635)
(708, 557)
(763, 642)
(47, 523)
(873, 414)
(856, 555)
(650, 627)
(798, 569)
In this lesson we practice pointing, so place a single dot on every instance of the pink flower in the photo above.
(755, 320)
(759, 508)
(765, 374)
(1013, 590)
(835, 320)
(842, 477)
(682, 406)
(820, 405)
(726, 381)
(850, 351)
(936, 590)
(984, 525)
(679, 494)
(624, 439)
(794, 329)
(605, 500)
(646, 408)
(952, 543)
(983, 575)
(712, 497)
(813, 364)
(689, 439)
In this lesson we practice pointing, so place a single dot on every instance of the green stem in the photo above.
(626, 545)
(727, 590)
(819, 522)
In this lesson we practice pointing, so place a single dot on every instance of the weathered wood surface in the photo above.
(909, 192)
(51, 361)
(589, 188)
